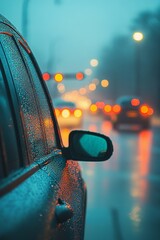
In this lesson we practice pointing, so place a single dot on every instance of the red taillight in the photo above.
(135, 102)
(100, 105)
(151, 111)
(116, 108)
(46, 76)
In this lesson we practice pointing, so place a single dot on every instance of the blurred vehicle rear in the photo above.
(68, 114)
(131, 111)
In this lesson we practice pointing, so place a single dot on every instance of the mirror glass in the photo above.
(89, 145)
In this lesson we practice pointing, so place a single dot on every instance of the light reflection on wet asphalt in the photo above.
(124, 192)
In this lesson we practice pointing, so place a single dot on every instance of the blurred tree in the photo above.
(149, 23)
(118, 64)
(117, 67)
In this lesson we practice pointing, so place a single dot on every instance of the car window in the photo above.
(31, 121)
(2, 170)
(9, 154)
(46, 119)
(1, 165)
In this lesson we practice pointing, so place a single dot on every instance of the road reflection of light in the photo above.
(142, 163)
(106, 127)
(144, 146)
(135, 214)
(65, 134)
(140, 171)
(90, 169)
(93, 127)
(89, 172)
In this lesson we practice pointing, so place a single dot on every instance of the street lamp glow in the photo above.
(94, 62)
(88, 71)
(104, 83)
(92, 86)
(61, 87)
(138, 36)
(82, 91)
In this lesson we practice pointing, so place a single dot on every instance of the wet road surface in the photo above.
(124, 192)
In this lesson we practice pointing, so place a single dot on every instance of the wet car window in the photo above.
(8, 149)
(1, 164)
(26, 97)
(1, 161)
(46, 119)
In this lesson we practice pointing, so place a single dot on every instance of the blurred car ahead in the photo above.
(68, 115)
(42, 192)
(131, 111)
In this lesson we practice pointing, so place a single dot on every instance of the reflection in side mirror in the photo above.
(89, 146)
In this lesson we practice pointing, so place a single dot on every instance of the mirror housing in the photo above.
(88, 146)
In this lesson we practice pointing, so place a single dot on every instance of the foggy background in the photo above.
(65, 35)
(95, 37)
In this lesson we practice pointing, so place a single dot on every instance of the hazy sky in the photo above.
(66, 36)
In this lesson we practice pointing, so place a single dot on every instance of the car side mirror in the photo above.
(88, 146)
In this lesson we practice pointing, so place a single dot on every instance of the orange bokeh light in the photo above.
(107, 108)
(116, 108)
(144, 109)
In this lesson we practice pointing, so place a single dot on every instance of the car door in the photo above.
(72, 189)
(42, 181)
